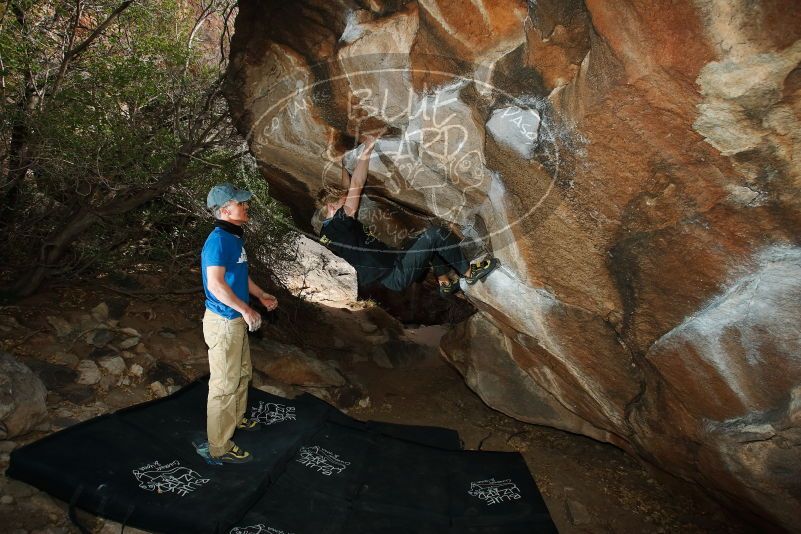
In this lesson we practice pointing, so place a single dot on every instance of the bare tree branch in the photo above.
(225, 35)
(73, 53)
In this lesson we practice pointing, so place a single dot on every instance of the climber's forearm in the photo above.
(357, 181)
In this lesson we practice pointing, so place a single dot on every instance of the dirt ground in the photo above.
(588, 486)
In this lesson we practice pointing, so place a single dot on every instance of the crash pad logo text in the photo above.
(325, 462)
(495, 491)
(261, 528)
(169, 478)
(269, 413)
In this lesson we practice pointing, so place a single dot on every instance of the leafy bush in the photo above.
(112, 129)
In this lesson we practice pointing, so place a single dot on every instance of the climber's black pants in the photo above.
(438, 247)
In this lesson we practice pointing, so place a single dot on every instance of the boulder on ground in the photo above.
(99, 337)
(290, 365)
(22, 398)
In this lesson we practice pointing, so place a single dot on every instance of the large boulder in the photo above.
(22, 398)
(317, 275)
(633, 164)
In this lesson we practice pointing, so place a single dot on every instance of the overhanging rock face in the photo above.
(634, 166)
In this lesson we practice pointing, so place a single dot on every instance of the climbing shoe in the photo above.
(235, 456)
(247, 424)
(449, 288)
(480, 269)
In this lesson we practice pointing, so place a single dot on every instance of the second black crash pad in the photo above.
(315, 470)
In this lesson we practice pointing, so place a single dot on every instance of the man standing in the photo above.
(228, 318)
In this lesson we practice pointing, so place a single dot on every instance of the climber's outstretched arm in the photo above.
(359, 178)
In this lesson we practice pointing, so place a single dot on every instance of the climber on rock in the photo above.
(377, 262)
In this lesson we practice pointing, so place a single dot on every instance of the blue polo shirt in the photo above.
(224, 249)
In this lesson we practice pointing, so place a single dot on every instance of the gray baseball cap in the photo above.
(222, 193)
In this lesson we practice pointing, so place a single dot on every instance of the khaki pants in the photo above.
(229, 364)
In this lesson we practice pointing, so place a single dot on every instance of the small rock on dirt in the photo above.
(113, 364)
(61, 326)
(158, 389)
(130, 342)
(100, 312)
(67, 359)
(99, 337)
(133, 332)
(89, 373)
(87, 323)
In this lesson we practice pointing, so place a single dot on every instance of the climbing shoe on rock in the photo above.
(449, 288)
(235, 456)
(480, 269)
(247, 424)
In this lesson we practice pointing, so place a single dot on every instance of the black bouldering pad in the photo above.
(315, 470)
